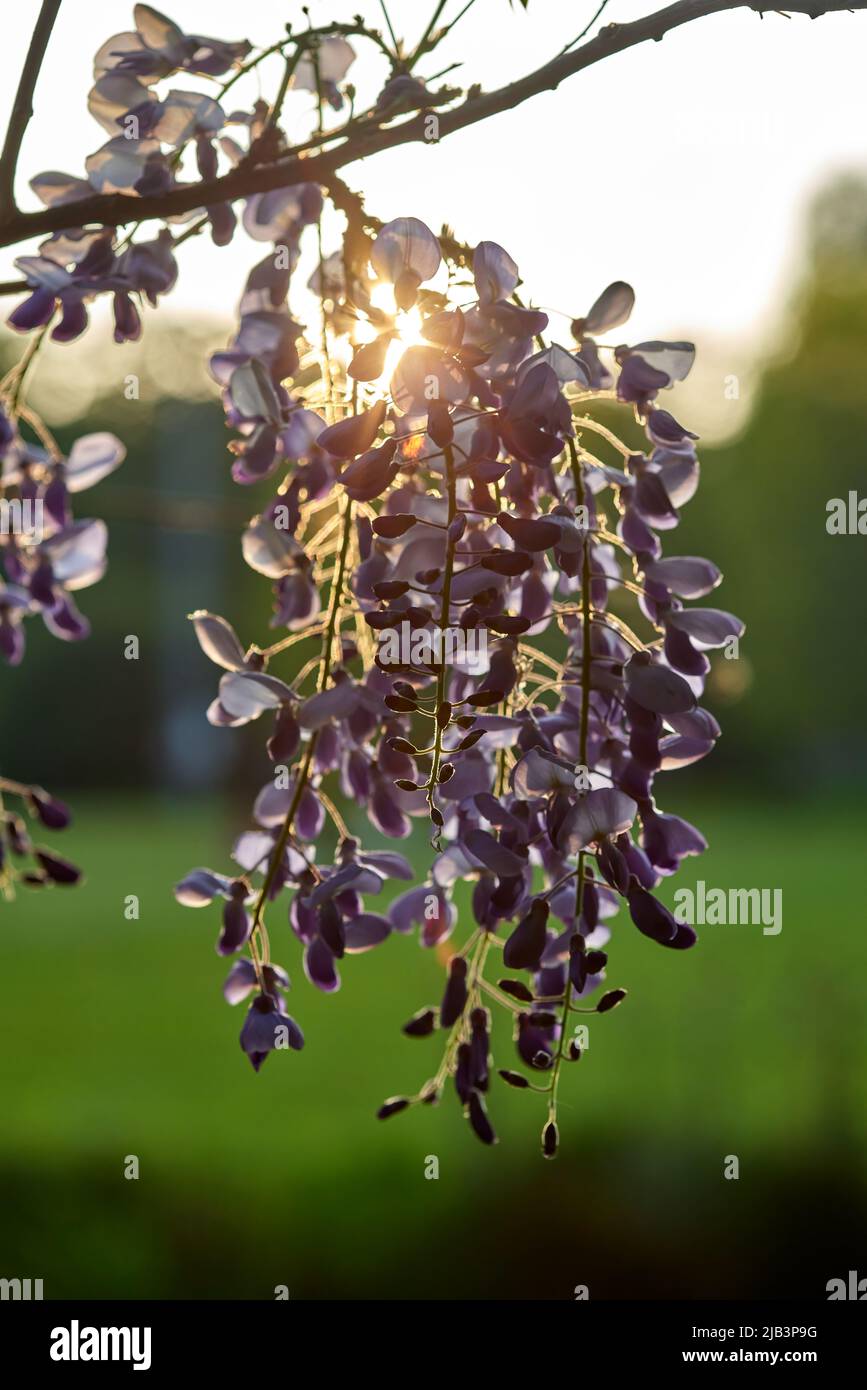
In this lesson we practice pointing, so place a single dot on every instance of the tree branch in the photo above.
(22, 107)
(115, 209)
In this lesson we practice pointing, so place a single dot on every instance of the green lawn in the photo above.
(119, 1043)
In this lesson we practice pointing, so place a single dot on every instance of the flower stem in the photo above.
(303, 775)
(586, 662)
(445, 608)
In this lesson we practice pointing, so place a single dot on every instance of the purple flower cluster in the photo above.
(147, 136)
(46, 555)
(22, 862)
(75, 266)
(469, 493)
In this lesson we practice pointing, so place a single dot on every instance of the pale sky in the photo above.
(683, 167)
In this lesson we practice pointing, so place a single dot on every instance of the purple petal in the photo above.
(200, 887)
(319, 966)
(657, 688)
(605, 811)
(365, 932)
(218, 641)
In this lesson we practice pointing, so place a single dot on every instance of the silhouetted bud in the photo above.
(610, 1000)
(485, 697)
(511, 626)
(528, 534)
(368, 362)
(471, 740)
(480, 1021)
(509, 562)
(402, 745)
(58, 870)
(514, 1078)
(464, 1073)
(550, 1139)
(578, 971)
(439, 424)
(355, 434)
(390, 527)
(524, 948)
(421, 1024)
(19, 840)
(455, 996)
(613, 866)
(478, 1117)
(400, 704)
(516, 989)
(54, 814)
(444, 714)
(392, 1107)
(418, 617)
(388, 589)
(574, 1051)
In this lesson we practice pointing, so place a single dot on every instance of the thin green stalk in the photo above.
(423, 43)
(19, 372)
(449, 463)
(390, 26)
(586, 662)
(304, 771)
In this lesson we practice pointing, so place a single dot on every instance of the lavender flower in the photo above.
(510, 784)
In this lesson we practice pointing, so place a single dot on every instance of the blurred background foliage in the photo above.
(118, 1042)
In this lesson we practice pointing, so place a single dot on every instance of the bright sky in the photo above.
(683, 166)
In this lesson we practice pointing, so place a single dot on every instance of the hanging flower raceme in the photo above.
(464, 517)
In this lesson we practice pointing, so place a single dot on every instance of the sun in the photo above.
(407, 324)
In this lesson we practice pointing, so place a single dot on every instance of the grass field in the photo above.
(119, 1043)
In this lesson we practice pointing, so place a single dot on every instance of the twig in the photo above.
(587, 27)
(22, 107)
